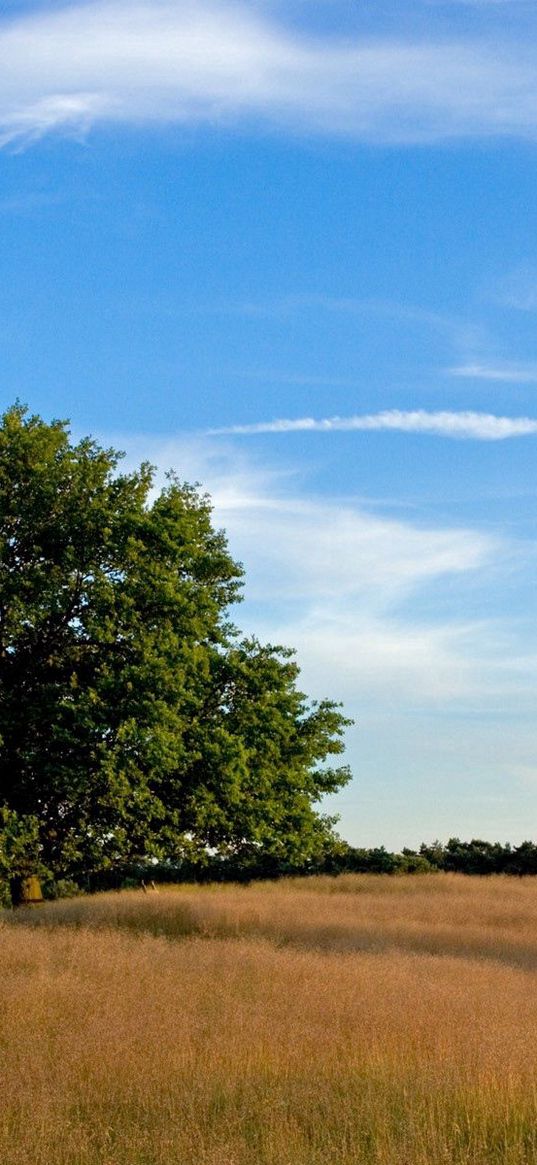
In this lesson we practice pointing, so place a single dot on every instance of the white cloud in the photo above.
(385, 663)
(311, 550)
(463, 425)
(345, 587)
(337, 582)
(509, 373)
(220, 62)
(377, 558)
(386, 659)
(338, 552)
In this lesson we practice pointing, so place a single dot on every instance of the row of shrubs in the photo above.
(465, 857)
(474, 857)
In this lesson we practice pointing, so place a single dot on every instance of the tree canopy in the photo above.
(134, 719)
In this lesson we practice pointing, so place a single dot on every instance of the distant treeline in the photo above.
(464, 857)
(474, 857)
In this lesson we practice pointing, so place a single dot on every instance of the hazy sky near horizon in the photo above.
(290, 249)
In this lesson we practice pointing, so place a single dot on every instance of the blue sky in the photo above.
(291, 250)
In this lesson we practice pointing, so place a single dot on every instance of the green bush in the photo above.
(60, 888)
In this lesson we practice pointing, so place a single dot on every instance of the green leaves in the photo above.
(20, 851)
(133, 719)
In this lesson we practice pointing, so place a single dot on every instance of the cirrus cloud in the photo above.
(507, 373)
(462, 425)
(216, 62)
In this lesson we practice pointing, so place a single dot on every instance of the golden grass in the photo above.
(446, 914)
(326, 1022)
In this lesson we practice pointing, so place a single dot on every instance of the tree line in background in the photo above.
(474, 857)
(462, 857)
(136, 722)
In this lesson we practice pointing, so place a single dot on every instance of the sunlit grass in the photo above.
(434, 913)
(325, 1022)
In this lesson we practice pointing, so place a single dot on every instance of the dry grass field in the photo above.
(324, 1022)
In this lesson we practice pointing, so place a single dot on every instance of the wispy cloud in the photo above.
(509, 373)
(348, 587)
(518, 289)
(287, 305)
(375, 561)
(463, 425)
(287, 540)
(220, 62)
(390, 661)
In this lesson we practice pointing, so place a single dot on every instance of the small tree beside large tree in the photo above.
(134, 720)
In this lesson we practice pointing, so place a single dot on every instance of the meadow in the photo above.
(325, 1021)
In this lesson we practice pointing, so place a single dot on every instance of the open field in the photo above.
(324, 1022)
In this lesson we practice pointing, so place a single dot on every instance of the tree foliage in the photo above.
(20, 853)
(134, 721)
(475, 857)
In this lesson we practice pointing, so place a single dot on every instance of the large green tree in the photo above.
(134, 721)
